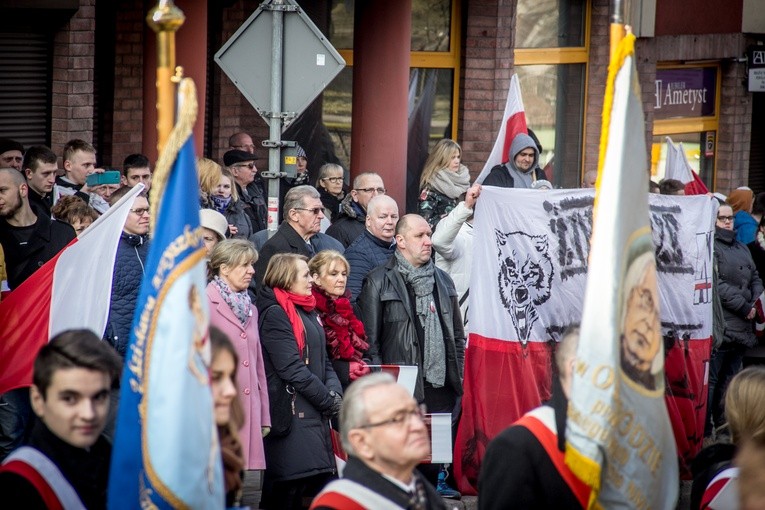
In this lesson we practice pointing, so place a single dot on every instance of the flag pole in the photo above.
(617, 25)
(165, 19)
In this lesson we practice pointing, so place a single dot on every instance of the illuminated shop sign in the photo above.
(685, 92)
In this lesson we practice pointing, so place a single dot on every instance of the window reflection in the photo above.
(694, 145)
(336, 114)
(550, 23)
(553, 96)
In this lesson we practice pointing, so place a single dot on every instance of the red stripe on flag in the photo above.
(696, 186)
(24, 328)
(515, 125)
(503, 381)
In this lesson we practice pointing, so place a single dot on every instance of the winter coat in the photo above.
(254, 204)
(250, 376)
(500, 175)
(237, 216)
(285, 240)
(307, 449)
(738, 285)
(434, 205)
(46, 239)
(331, 204)
(745, 226)
(453, 243)
(350, 223)
(126, 283)
(389, 318)
(319, 242)
(364, 254)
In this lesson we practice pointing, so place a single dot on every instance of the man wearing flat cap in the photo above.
(242, 166)
(11, 154)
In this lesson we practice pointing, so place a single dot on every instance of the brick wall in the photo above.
(127, 134)
(597, 72)
(488, 60)
(735, 129)
(72, 85)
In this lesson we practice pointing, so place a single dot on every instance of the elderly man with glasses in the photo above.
(248, 186)
(351, 222)
(385, 437)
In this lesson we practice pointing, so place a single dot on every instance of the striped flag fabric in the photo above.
(513, 123)
(72, 290)
(678, 168)
(619, 440)
(166, 452)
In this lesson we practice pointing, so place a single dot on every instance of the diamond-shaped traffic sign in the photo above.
(309, 61)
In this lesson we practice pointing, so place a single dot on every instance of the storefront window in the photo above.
(550, 23)
(699, 151)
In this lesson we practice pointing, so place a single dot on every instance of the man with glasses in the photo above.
(351, 221)
(128, 270)
(242, 142)
(251, 193)
(303, 212)
(385, 437)
(521, 169)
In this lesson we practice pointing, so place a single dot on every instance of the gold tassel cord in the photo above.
(183, 129)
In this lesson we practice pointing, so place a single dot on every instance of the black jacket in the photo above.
(126, 283)
(307, 449)
(350, 223)
(388, 317)
(254, 204)
(331, 204)
(364, 254)
(43, 203)
(738, 286)
(285, 240)
(44, 239)
(500, 176)
(87, 471)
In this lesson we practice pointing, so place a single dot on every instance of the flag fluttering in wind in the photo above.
(513, 123)
(166, 452)
(619, 438)
(72, 290)
(678, 168)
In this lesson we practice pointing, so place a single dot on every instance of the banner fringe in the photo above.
(587, 470)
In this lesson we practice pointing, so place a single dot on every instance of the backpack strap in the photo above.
(32, 465)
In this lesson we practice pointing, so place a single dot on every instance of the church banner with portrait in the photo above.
(528, 284)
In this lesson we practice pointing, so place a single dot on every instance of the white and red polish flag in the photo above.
(72, 290)
(678, 168)
(513, 123)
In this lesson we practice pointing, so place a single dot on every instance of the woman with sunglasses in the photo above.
(331, 189)
(738, 286)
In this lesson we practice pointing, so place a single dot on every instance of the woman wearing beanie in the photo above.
(742, 200)
(444, 179)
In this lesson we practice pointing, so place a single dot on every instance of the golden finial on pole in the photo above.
(165, 19)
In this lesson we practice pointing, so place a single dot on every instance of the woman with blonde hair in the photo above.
(303, 389)
(346, 339)
(443, 181)
(232, 312)
(209, 173)
(331, 189)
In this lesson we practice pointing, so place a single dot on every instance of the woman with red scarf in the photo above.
(304, 391)
(346, 340)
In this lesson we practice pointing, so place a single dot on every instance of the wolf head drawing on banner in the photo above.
(525, 277)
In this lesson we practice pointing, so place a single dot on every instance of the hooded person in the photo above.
(521, 170)
(742, 200)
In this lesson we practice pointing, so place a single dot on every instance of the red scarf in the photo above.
(288, 300)
(346, 339)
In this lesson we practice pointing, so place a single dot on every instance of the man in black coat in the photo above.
(524, 465)
(303, 212)
(251, 194)
(350, 223)
(28, 236)
(385, 437)
(40, 167)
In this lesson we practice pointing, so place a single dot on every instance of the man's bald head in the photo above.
(379, 202)
(404, 224)
(17, 178)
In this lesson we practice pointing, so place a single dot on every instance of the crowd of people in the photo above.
(301, 320)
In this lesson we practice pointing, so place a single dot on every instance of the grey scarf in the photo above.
(451, 184)
(422, 281)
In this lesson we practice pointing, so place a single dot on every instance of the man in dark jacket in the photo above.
(410, 310)
(128, 271)
(303, 212)
(350, 223)
(524, 465)
(65, 462)
(40, 167)
(242, 167)
(385, 437)
(376, 245)
(28, 236)
(521, 168)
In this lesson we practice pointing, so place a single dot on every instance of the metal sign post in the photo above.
(280, 71)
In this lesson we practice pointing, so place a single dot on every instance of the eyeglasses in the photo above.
(379, 191)
(315, 211)
(141, 211)
(725, 219)
(245, 165)
(333, 180)
(400, 419)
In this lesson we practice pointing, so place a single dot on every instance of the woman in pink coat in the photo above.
(232, 312)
